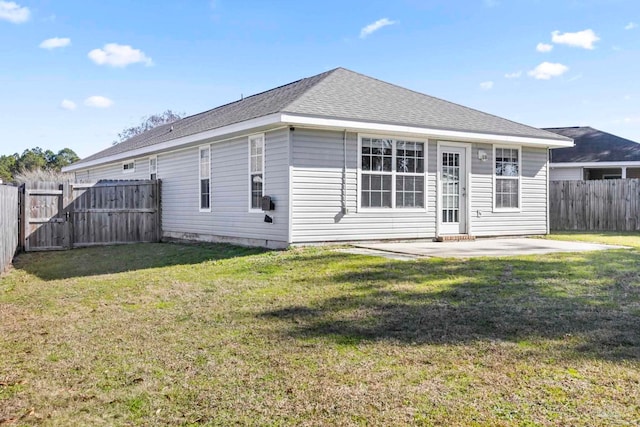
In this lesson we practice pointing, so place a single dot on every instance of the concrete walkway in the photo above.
(476, 248)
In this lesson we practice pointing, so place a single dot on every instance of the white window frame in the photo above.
(496, 177)
(153, 159)
(200, 178)
(129, 170)
(393, 174)
(256, 137)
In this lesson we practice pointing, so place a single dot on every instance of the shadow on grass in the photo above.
(122, 258)
(589, 301)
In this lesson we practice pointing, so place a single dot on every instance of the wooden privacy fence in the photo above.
(602, 205)
(8, 225)
(67, 215)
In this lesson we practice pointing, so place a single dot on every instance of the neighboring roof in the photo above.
(593, 145)
(337, 94)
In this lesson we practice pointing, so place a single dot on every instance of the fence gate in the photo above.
(64, 215)
(46, 216)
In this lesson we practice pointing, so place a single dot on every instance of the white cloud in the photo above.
(630, 26)
(543, 47)
(68, 105)
(98, 102)
(486, 85)
(514, 75)
(371, 28)
(546, 70)
(584, 39)
(117, 55)
(55, 43)
(13, 12)
(627, 120)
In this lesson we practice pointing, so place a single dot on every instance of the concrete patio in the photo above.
(498, 247)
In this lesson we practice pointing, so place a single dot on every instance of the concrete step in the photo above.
(454, 238)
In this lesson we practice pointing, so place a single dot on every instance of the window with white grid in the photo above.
(507, 178)
(205, 178)
(392, 173)
(256, 171)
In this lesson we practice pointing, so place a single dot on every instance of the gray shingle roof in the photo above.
(593, 145)
(340, 94)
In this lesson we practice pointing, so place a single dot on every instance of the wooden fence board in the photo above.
(9, 213)
(65, 215)
(602, 205)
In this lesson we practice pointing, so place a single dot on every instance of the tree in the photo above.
(63, 158)
(148, 123)
(7, 167)
(35, 159)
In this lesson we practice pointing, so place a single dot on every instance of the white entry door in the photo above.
(453, 190)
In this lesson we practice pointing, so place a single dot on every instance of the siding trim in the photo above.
(547, 195)
(290, 186)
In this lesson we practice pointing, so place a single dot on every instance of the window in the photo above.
(256, 171)
(129, 167)
(507, 178)
(153, 167)
(392, 173)
(205, 179)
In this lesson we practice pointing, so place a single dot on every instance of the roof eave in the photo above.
(323, 123)
(173, 144)
(620, 163)
(360, 126)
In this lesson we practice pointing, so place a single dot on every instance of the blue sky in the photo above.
(75, 73)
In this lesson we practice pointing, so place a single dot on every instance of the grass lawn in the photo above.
(156, 334)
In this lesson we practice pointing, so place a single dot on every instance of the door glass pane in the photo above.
(450, 187)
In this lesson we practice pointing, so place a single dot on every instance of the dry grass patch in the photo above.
(216, 335)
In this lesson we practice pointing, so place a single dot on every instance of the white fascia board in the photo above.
(178, 142)
(339, 124)
(594, 165)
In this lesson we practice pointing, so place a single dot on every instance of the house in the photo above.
(338, 157)
(596, 155)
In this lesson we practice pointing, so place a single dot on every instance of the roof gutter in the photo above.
(594, 164)
(355, 126)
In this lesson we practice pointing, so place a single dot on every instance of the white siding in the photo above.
(229, 219)
(317, 185)
(114, 171)
(565, 174)
(532, 217)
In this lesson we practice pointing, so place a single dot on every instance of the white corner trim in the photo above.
(594, 165)
(356, 126)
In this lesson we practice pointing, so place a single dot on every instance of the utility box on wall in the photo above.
(267, 204)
